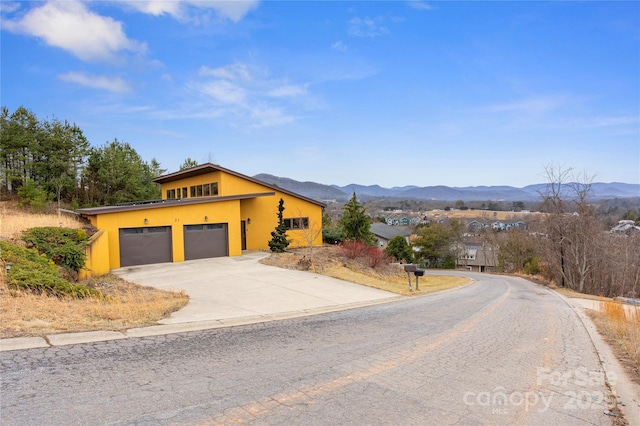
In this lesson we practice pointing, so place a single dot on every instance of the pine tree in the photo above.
(279, 242)
(355, 223)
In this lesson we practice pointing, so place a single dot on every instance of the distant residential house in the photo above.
(506, 226)
(625, 227)
(395, 219)
(497, 225)
(520, 225)
(384, 233)
(477, 257)
(476, 224)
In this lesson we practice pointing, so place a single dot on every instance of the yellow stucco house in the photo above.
(206, 211)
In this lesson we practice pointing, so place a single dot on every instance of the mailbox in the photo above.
(410, 268)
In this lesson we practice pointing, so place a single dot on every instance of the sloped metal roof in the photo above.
(145, 205)
(388, 232)
(209, 168)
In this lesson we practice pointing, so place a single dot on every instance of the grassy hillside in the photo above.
(37, 297)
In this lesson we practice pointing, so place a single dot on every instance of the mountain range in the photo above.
(322, 192)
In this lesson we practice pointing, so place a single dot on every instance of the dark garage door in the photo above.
(204, 241)
(141, 246)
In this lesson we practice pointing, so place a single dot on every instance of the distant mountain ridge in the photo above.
(322, 192)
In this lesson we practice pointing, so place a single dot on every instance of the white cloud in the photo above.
(288, 91)
(157, 8)
(339, 45)
(246, 97)
(69, 25)
(269, 116)
(366, 27)
(224, 92)
(230, 72)
(233, 10)
(184, 10)
(420, 5)
(112, 84)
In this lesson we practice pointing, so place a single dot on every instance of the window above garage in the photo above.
(194, 191)
(205, 190)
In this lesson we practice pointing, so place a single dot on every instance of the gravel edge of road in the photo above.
(623, 391)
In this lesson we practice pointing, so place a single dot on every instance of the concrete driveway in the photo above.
(236, 287)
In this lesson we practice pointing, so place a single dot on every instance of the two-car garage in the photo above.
(191, 222)
(153, 244)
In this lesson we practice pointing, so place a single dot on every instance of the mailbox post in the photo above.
(409, 268)
(418, 273)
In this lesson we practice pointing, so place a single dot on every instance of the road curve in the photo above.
(499, 351)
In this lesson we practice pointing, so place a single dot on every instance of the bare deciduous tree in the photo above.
(310, 233)
(571, 228)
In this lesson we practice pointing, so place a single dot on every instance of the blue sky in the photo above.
(370, 92)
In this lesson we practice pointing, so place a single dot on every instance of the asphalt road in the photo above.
(500, 351)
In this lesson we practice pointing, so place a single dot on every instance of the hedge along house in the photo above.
(206, 211)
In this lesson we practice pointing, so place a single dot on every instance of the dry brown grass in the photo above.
(619, 324)
(624, 322)
(396, 283)
(489, 215)
(328, 260)
(567, 292)
(13, 221)
(127, 306)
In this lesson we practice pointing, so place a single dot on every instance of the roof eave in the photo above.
(209, 167)
(170, 203)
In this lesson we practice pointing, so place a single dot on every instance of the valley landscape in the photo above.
(530, 193)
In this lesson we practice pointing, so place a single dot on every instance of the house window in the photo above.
(297, 222)
(206, 190)
(171, 193)
(184, 192)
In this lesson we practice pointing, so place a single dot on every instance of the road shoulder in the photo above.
(624, 392)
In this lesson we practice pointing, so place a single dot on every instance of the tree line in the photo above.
(50, 159)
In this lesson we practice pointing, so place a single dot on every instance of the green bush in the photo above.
(532, 267)
(81, 235)
(332, 235)
(62, 245)
(33, 272)
(32, 196)
(399, 249)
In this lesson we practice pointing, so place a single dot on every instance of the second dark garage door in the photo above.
(204, 241)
